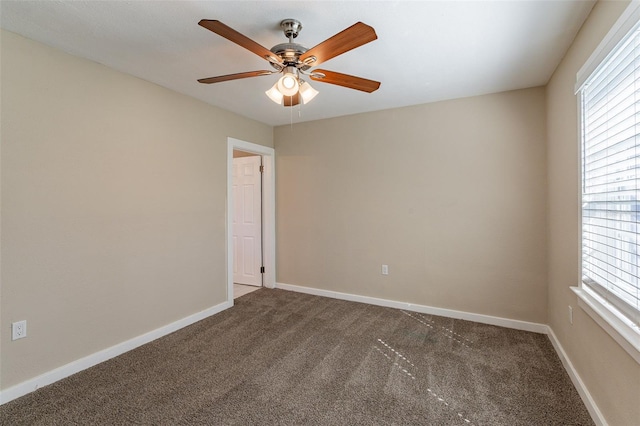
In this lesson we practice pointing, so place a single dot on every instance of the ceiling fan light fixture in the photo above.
(274, 94)
(288, 84)
(307, 92)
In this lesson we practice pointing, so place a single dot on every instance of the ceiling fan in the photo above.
(294, 60)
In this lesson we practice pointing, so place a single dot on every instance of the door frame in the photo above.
(268, 211)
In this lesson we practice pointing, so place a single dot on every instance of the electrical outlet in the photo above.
(18, 330)
(385, 269)
(571, 315)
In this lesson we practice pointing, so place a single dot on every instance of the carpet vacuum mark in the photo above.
(286, 358)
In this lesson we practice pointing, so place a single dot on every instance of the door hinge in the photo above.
(261, 169)
(262, 269)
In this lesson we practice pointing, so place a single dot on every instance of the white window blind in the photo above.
(610, 182)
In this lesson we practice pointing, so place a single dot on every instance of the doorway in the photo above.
(247, 219)
(244, 151)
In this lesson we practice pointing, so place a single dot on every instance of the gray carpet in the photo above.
(285, 358)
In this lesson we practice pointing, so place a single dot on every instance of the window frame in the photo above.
(621, 328)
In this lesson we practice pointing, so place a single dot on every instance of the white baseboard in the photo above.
(596, 415)
(67, 370)
(89, 361)
(450, 313)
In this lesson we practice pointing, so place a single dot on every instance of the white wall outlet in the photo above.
(385, 269)
(18, 330)
(570, 314)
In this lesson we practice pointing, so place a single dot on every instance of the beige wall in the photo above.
(113, 209)
(610, 374)
(113, 206)
(451, 195)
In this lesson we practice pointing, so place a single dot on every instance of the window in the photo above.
(610, 142)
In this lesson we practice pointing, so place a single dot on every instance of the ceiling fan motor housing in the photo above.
(290, 52)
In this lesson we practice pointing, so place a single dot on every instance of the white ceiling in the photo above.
(426, 50)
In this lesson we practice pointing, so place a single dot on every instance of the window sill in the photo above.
(619, 328)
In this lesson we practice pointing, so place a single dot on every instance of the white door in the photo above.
(247, 221)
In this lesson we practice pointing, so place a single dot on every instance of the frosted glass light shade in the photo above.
(274, 94)
(307, 92)
(288, 84)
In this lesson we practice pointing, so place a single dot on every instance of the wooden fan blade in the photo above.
(237, 76)
(239, 39)
(346, 80)
(354, 36)
(292, 100)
